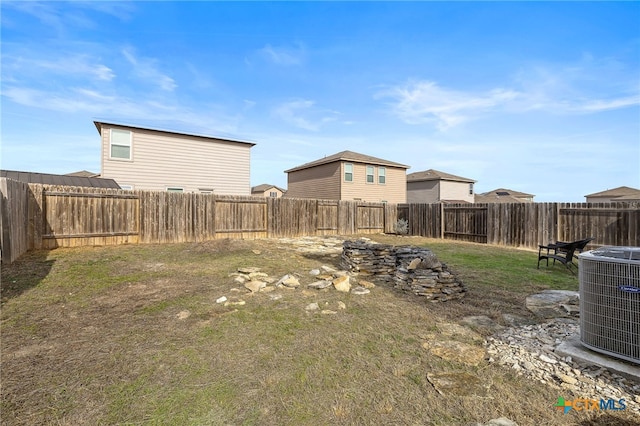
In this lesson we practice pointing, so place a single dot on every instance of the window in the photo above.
(369, 174)
(471, 189)
(382, 175)
(348, 172)
(205, 190)
(126, 187)
(273, 194)
(174, 189)
(120, 144)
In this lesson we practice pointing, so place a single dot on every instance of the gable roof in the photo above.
(99, 123)
(494, 198)
(432, 174)
(83, 173)
(503, 192)
(621, 191)
(265, 187)
(66, 180)
(348, 156)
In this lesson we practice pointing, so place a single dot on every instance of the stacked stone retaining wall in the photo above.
(410, 269)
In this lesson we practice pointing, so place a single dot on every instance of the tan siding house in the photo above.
(160, 160)
(433, 186)
(620, 194)
(266, 190)
(349, 175)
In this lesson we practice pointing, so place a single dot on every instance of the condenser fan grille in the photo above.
(610, 301)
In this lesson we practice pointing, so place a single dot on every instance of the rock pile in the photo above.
(411, 269)
(255, 281)
(530, 351)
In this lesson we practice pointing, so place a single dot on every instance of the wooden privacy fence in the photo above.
(43, 216)
(526, 225)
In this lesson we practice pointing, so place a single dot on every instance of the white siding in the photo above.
(458, 191)
(161, 160)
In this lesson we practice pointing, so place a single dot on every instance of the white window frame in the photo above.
(273, 194)
(126, 187)
(128, 145)
(175, 189)
(205, 190)
(382, 175)
(371, 172)
(471, 188)
(349, 172)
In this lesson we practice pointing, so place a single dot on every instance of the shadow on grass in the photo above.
(24, 274)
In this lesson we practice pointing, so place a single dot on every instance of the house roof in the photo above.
(503, 192)
(348, 156)
(494, 198)
(621, 191)
(83, 173)
(66, 180)
(432, 174)
(265, 187)
(98, 124)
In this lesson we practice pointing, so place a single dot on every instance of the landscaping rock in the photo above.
(255, 286)
(360, 291)
(342, 284)
(452, 350)
(366, 284)
(182, 315)
(320, 284)
(221, 299)
(312, 307)
(530, 351)
(291, 282)
(554, 303)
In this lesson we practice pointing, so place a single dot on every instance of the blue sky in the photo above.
(538, 97)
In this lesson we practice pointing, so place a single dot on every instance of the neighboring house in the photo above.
(266, 190)
(165, 160)
(349, 175)
(620, 194)
(83, 173)
(433, 186)
(502, 195)
(65, 180)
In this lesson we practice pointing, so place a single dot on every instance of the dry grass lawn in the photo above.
(133, 335)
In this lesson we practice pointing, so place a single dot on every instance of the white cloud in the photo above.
(213, 120)
(284, 55)
(596, 105)
(419, 102)
(302, 114)
(425, 102)
(146, 69)
(64, 64)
